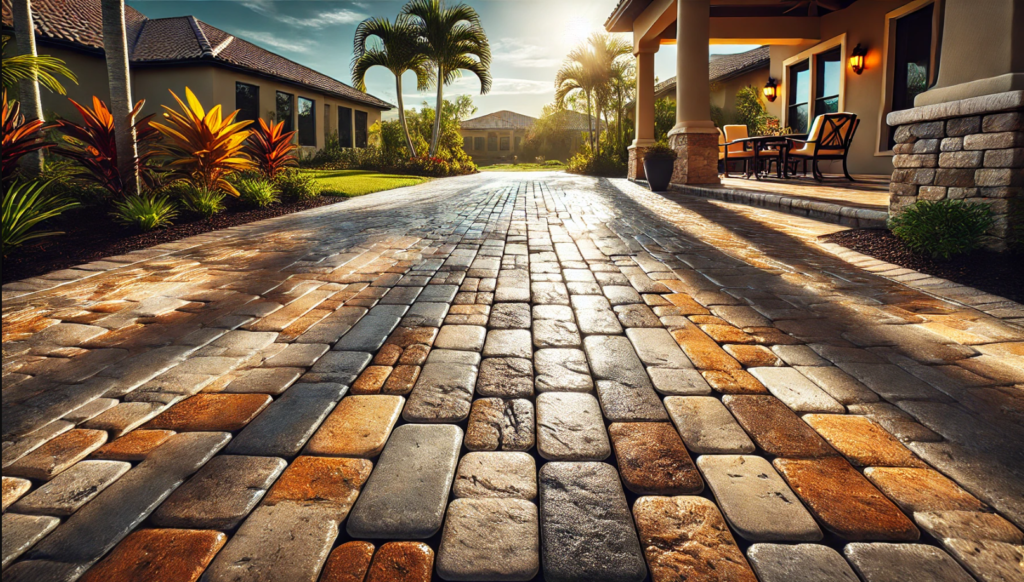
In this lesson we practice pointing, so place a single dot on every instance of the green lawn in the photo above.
(350, 183)
(531, 167)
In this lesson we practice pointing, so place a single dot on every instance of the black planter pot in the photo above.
(658, 172)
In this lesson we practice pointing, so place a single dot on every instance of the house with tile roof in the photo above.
(496, 137)
(727, 75)
(220, 68)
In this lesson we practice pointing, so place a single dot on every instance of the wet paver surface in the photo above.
(507, 377)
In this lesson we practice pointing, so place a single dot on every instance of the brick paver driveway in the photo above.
(505, 376)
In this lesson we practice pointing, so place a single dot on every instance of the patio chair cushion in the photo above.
(823, 132)
(733, 133)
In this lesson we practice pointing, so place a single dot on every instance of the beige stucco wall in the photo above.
(211, 85)
(723, 93)
(491, 157)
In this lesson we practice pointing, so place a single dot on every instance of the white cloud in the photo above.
(522, 54)
(267, 39)
(470, 85)
(328, 18)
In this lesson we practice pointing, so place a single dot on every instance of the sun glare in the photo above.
(577, 29)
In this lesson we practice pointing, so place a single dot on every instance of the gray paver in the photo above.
(706, 425)
(297, 356)
(903, 563)
(586, 527)
(496, 474)
(675, 382)
(505, 378)
(489, 539)
(21, 532)
(369, 333)
(756, 501)
(406, 494)
(793, 388)
(285, 426)
(443, 393)
(840, 385)
(72, 489)
(461, 337)
(510, 316)
(497, 423)
(657, 348)
(562, 370)
(799, 563)
(271, 381)
(338, 367)
(425, 314)
(514, 343)
(570, 428)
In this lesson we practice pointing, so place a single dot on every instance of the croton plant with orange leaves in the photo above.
(20, 138)
(204, 147)
(271, 147)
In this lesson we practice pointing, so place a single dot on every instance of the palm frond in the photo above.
(43, 68)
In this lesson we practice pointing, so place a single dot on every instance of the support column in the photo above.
(644, 114)
(694, 136)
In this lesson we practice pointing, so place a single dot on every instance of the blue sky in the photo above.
(529, 38)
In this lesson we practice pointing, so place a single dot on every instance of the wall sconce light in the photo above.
(857, 58)
(770, 90)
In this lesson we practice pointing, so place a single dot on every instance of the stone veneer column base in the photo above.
(970, 150)
(696, 158)
(635, 167)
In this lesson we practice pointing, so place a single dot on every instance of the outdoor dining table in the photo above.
(780, 143)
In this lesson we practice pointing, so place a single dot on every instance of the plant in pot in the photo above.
(659, 160)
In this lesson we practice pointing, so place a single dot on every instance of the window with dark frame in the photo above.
(504, 144)
(828, 71)
(345, 126)
(519, 142)
(479, 144)
(492, 143)
(467, 143)
(912, 62)
(286, 110)
(307, 122)
(799, 93)
(247, 102)
(327, 121)
(361, 133)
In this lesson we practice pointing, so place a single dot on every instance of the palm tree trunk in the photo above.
(590, 123)
(401, 117)
(28, 89)
(437, 110)
(115, 46)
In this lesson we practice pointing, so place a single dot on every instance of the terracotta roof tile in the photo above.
(722, 67)
(571, 120)
(152, 41)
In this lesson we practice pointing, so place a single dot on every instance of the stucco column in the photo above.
(644, 113)
(694, 136)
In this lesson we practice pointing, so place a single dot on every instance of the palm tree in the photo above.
(577, 76)
(401, 49)
(31, 104)
(43, 68)
(454, 41)
(591, 69)
(115, 46)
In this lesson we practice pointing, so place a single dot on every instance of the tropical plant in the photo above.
(115, 49)
(400, 48)
(257, 192)
(942, 229)
(24, 207)
(298, 186)
(203, 201)
(660, 151)
(20, 138)
(203, 147)
(94, 146)
(270, 148)
(42, 68)
(145, 212)
(454, 41)
(449, 140)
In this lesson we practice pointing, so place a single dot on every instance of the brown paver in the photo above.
(844, 501)
(775, 428)
(205, 412)
(402, 562)
(922, 490)
(133, 446)
(348, 563)
(371, 380)
(159, 555)
(332, 484)
(358, 427)
(733, 382)
(685, 538)
(752, 356)
(652, 459)
(862, 441)
(13, 489)
(57, 454)
(402, 380)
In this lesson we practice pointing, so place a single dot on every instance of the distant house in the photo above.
(174, 53)
(496, 137)
(728, 74)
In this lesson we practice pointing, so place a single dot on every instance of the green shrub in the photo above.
(145, 212)
(203, 201)
(551, 162)
(660, 151)
(298, 186)
(24, 207)
(942, 229)
(257, 192)
(603, 164)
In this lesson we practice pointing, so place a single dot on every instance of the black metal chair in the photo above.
(829, 139)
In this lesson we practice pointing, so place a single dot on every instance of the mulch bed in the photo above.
(90, 234)
(997, 273)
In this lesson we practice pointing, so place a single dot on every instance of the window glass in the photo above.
(799, 94)
(827, 71)
(307, 122)
(504, 144)
(360, 129)
(345, 126)
(519, 142)
(467, 143)
(492, 143)
(478, 144)
(912, 60)
(247, 102)
(286, 110)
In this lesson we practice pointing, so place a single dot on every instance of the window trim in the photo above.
(298, 117)
(811, 55)
(889, 64)
(482, 141)
(505, 141)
